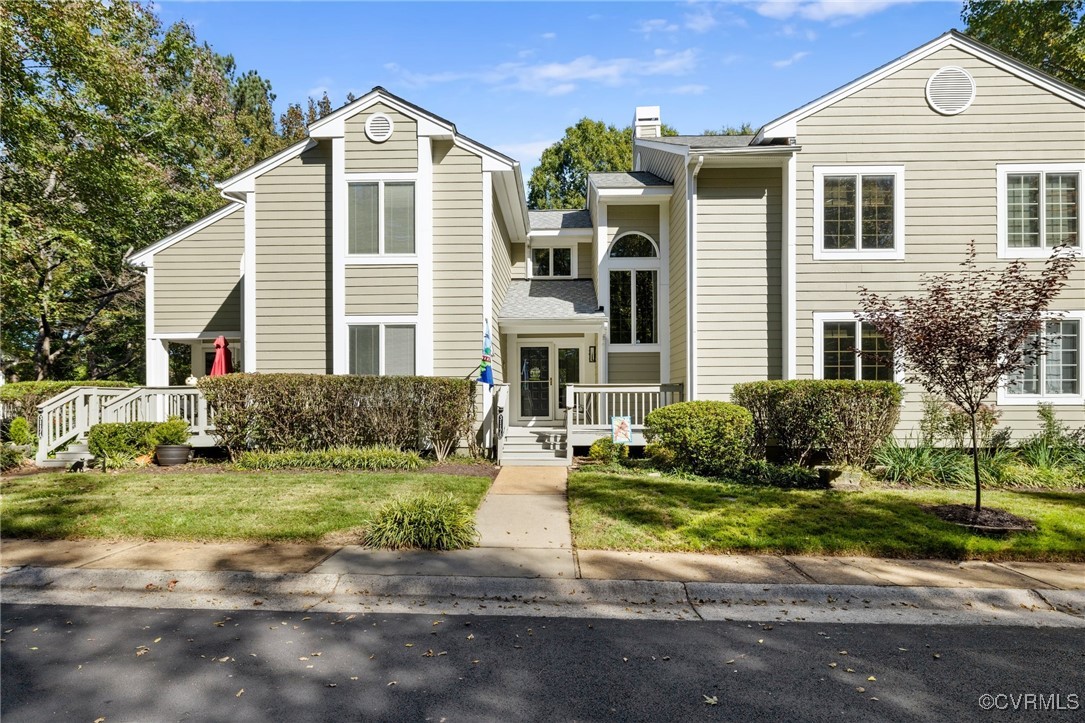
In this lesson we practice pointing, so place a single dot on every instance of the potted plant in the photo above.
(171, 445)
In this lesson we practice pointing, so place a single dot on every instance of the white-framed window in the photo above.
(633, 282)
(553, 262)
(1039, 208)
(839, 337)
(385, 348)
(381, 217)
(859, 212)
(1057, 375)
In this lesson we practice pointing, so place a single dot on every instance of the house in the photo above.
(386, 241)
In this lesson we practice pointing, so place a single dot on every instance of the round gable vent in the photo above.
(951, 90)
(378, 127)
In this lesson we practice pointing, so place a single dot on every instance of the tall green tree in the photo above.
(114, 131)
(561, 178)
(1049, 35)
(743, 130)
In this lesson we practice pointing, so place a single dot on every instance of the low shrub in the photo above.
(19, 432)
(846, 420)
(173, 431)
(372, 458)
(604, 450)
(422, 522)
(308, 412)
(21, 399)
(660, 456)
(705, 437)
(10, 458)
(787, 476)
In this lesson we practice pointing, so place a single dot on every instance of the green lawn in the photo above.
(211, 505)
(636, 512)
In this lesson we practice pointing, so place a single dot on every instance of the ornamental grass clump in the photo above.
(372, 458)
(423, 521)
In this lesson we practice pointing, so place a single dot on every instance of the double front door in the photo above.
(546, 368)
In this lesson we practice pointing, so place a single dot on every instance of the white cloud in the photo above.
(824, 9)
(549, 36)
(793, 31)
(557, 78)
(790, 61)
(689, 89)
(701, 20)
(656, 25)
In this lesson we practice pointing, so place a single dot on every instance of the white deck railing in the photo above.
(68, 417)
(590, 408)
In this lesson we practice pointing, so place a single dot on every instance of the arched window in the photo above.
(634, 285)
(633, 246)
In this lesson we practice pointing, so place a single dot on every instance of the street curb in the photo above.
(558, 597)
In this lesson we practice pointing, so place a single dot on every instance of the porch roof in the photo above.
(549, 299)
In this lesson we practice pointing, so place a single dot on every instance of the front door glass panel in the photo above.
(535, 382)
(568, 372)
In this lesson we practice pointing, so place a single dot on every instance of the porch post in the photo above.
(158, 362)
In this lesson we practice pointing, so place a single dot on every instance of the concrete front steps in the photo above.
(76, 452)
(534, 446)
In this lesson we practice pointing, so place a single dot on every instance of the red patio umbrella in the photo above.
(223, 363)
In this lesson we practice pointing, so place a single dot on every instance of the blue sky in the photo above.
(514, 75)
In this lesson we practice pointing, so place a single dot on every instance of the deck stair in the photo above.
(529, 446)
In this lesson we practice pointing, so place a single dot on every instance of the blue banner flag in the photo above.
(486, 376)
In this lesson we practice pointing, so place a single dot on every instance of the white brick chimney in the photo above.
(646, 122)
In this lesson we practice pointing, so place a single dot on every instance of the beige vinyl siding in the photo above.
(739, 320)
(518, 261)
(585, 261)
(381, 290)
(399, 153)
(625, 219)
(638, 367)
(293, 232)
(679, 241)
(457, 260)
(950, 194)
(502, 277)
(197, 281)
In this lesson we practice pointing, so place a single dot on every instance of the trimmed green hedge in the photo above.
(846, 420)
(23, 398)
(114, 441)
(308, 412)
(373, 458)
(605, 450)
(705, 437)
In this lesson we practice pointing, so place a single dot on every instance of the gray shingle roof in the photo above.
(551, 299)
(706, 141)
(632, 179)
(551, 220)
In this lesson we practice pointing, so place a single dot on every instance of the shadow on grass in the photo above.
(666, 514)
(1074, 499)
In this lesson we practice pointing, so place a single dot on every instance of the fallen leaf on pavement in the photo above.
(141, 650)
(860, 690)
(238, 694)
(729, 662)
(158, 640)
(710, 700)
(832, 665)
(171, 584)
(872, 678)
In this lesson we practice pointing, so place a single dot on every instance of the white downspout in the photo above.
(691, 280)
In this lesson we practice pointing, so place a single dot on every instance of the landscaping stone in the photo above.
(847, 480)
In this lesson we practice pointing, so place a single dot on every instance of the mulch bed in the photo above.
(985, 519)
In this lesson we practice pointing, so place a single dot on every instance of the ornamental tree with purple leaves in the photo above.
(968, 331)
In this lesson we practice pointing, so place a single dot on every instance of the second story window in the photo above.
(859, 212)
(380, 218)
(551, 263)
(1039, 208)
(634, 282)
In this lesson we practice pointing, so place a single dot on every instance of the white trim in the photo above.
(820, 317)
(579, 343)
(790, 269)
(634, 264)
(423, 249)
(158, 363)
(382, 259)
(634, 348)
(570, 234)
(1003, 170)
(152, 363)
(244, 182)
(146, 255)
(380, 180)
(590, 325)
(333, 123)
(648, 194)
(691, 277)
(339, 253)
(183, 336)
(380, 322)
(663, 291)
(859, 254)
(786, 126)
(390, 177)
(487, 277)
(248, 288)
(1005, 399)
(550, 245)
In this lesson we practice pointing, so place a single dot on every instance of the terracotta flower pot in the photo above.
(168, 455)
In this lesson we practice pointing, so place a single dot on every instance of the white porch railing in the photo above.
(590, 407)
(68, 417)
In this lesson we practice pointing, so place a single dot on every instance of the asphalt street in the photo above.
(126, 664)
